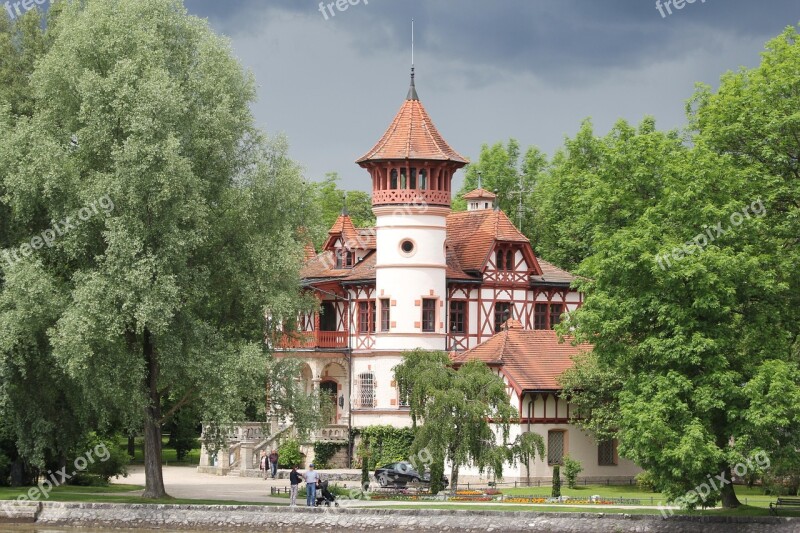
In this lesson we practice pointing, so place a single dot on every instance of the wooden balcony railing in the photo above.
(313, 339)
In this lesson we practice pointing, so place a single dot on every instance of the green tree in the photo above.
(556, 490)
(455, 407)
(752, 120)
(692, 298)
(326, 203)
(160, 293)
(597, 185)
(500, 168)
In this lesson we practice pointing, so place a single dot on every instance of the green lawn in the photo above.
(748, 496)
(111, 494)
(168, 455)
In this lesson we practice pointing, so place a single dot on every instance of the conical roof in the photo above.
(412, 135)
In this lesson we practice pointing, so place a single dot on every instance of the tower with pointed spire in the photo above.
(412, 168)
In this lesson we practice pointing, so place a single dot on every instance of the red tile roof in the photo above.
(552, 274)
(412, 135)
(472, 235)
(479, 193)
(531, 359)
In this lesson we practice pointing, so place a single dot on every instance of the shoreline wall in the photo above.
(282, 518)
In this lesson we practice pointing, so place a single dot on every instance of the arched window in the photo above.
(403, 179)
(500, 260)
(412, 179)
(393, 183)
(423, 179)
(509, 260)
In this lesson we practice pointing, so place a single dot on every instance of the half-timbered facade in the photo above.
(427, 277)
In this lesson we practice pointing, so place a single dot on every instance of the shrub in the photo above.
(387, 444)
(365, 470)
(437, 472)
(289, 454)
(572, 468)
(556, 482)
(645, 481)
(104, 459)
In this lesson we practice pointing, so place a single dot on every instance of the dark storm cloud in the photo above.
(551, 39)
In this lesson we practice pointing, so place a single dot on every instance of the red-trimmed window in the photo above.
(556, 310)
(428, 315)
(502, 313)
(366, 316)
(540, 316)
(458, 316)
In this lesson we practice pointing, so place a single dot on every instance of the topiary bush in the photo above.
(556, 482)
(572, 468)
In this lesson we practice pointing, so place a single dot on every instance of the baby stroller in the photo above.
(324, 496)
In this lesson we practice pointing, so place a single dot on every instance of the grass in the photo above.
(169, 456)
(112, 494)
(753, 497)
(744, 510)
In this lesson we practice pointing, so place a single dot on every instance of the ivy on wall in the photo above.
(323, 451)
(385, 444)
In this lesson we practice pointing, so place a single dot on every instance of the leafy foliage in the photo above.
(556, 492)
(289, 453)
(572, 467)
(645, 481)
(702, 351)
(159, 299)
(500, 167)
(455, 408)
(386, 444)
(323, 452)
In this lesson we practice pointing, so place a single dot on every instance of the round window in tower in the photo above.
(407, 247)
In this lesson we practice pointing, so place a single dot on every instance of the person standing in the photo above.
(262, 465)
(311, 486)
(273, 463)
(294, 482)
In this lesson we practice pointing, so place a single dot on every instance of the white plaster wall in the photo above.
(407, 279)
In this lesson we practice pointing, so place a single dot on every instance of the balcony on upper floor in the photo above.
(313, 340)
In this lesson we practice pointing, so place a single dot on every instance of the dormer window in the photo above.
(344, 258)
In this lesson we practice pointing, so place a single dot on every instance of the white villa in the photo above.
(467, 283)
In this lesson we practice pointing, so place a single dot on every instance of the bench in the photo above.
(784, 502)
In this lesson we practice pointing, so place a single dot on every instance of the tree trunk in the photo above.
(454, 478)
(153, 475)
(132, 446)
(729, 499)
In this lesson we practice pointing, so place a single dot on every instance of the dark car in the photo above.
(402, 473)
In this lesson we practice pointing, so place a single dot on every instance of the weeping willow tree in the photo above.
(451, 410)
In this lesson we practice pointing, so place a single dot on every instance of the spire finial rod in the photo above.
(412, 91)
(480, 180)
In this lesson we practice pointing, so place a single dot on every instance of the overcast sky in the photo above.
(486, 71)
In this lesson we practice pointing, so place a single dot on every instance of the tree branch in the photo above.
(183, 401)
